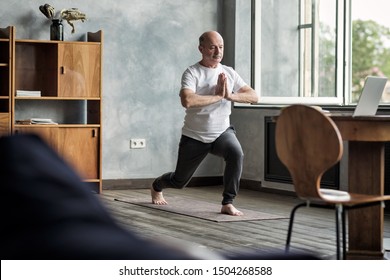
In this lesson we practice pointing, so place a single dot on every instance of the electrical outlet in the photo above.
(137, 143)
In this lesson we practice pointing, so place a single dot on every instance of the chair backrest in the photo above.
(308, 143)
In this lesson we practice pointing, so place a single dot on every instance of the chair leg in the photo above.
(340, 215)
(337, 232)
(290, 225)
(344, 234)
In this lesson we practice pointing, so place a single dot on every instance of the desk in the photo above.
(366, 138)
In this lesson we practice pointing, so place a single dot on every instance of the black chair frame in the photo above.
(340, 211)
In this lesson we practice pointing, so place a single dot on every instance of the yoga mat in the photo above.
(199, 209)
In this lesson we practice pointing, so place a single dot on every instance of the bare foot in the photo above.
(229, 209)
(157, 197)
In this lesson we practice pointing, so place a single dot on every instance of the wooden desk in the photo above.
(366, 138)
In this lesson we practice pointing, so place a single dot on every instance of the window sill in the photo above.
(332, 108)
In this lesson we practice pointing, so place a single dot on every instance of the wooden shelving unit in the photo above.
(60, 81)
(7, 36)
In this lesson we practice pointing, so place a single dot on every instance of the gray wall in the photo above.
(147, 46)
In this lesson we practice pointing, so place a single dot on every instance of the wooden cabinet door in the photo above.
(48, 134)
(80, 148)
(79, 70)
(4, 124)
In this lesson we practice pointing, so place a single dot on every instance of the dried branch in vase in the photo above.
(70, 15)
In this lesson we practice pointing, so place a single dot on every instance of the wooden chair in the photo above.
(308, 143)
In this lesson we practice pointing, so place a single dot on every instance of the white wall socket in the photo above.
(138, 143)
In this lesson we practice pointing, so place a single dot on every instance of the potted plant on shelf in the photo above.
(56, 28)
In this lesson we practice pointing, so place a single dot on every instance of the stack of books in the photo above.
(28, 93)
(36, 121)
(42, 121)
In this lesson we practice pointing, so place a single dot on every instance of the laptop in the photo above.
(370, 97)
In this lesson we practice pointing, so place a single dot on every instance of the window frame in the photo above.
(343, 62)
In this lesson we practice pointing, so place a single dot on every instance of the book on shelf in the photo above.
(42, 121)
(36, 121)
(28, 93)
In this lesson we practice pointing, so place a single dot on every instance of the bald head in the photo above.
(209, 36)
(211, 48)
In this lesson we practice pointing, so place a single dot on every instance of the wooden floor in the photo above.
(314, 229)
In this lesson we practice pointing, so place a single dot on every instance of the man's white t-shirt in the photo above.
(207, 123)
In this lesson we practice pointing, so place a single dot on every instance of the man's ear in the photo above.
(200, 48)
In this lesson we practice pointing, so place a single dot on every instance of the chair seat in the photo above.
(335, 195)
(349, 199)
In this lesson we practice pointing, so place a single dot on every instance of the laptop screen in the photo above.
(370, 97)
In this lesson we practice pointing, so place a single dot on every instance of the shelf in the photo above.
(3, 64)
(53, 42)
(4, 40)
(63, 111)
(91, 181)
(57, 125)
(57, 98)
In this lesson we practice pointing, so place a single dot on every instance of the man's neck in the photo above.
(208, 65)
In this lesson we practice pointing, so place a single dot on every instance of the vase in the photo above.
(56, 30)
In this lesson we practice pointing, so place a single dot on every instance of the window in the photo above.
(319, 51)
(370, 44)
(317, 48)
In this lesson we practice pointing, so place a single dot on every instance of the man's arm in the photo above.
(244, 95)
(189, 99)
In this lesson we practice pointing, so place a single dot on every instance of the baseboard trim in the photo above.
(125, 184)
(250, 184)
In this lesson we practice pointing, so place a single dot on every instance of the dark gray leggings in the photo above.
(191, 154)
